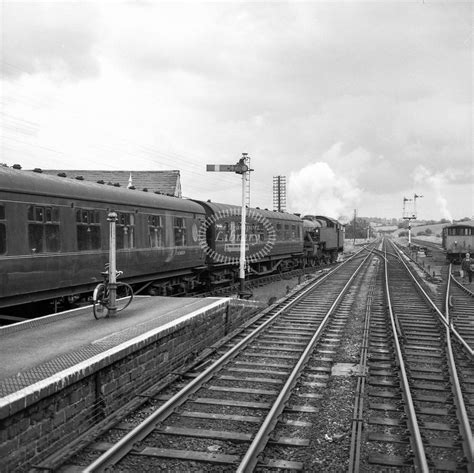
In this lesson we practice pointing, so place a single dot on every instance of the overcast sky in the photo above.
(359, 104)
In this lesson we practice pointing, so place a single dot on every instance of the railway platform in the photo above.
(37, 349)
(60, 372)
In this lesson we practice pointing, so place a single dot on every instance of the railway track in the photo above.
(460, 307)
(270, 398)
(420, 413)
(242, 402)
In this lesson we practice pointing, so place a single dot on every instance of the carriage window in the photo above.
(278, 230)
(3, 239)
(228, 231)
(222, 231)
(125, 230)
(458, 231)
(43, 234)
(3, 232)
(261, 232)
(155, 231)
(179, 231)
(88, 230)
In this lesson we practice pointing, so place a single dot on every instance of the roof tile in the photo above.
(165, 182)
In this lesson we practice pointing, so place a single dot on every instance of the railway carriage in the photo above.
(54, 239)
(54, 236)
(274, 240)
(457, 240)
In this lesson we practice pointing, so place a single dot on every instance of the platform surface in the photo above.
(39, 349)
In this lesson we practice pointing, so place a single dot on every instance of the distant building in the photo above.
(165, 182)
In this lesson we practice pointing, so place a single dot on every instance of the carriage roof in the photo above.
(28, 182)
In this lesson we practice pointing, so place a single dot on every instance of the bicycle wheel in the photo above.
(124, 295)
(100, 300)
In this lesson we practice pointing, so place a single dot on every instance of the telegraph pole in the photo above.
(279, 193)
(241, 167)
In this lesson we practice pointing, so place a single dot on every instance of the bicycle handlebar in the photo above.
(117, 273)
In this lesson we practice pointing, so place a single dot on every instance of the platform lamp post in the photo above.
(112, 219)
(241, 167)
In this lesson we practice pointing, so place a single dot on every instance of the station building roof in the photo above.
(165, 182)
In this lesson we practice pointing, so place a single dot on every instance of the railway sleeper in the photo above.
(175, 454)
(205, 457)
(390, 460)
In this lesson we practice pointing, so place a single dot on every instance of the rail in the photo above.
(258, 444)
(435, 308)
(126, 444)
(417, 444)
(464, 422)
(456, 386)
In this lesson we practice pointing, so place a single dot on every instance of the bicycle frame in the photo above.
(101, 300)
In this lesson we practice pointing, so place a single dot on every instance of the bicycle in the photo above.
(101, 295)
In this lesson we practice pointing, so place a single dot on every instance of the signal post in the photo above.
(408, 216)
(241, 167)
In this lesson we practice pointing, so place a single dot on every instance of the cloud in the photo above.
(55, 38)
(319, 189)
(365, 92)
(436, 183)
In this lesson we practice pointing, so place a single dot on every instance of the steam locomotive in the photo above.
(54, 239)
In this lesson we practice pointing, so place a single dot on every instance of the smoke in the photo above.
(436, 181)
(318, 189)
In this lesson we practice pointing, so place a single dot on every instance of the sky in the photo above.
(358, 104)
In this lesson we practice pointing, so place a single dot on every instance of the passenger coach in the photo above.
(54, 239)
(274, 240)
(54, 236)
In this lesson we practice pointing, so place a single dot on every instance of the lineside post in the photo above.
(241, 167)
(242, 239)
(112, 219)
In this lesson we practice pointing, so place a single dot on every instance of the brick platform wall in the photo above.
(31, 433)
